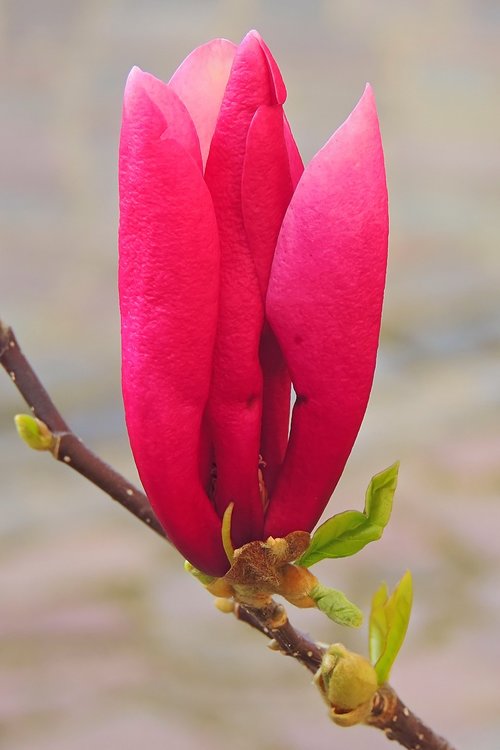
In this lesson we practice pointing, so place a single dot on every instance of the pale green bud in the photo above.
(34, 432)
(349, 679)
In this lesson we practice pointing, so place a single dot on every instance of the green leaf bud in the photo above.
(34, 432)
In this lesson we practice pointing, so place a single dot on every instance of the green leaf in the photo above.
(380, 494)
(389, 618)
(377, 631)
(346, 533)
(336, 606)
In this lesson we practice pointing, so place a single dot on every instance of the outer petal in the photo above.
(169, 261)
(200, 82)
(235, 405)
(324, 303)
(264, 203)
(141, 92)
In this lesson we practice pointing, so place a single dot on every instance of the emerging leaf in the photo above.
(34, 432)
(346, 533)
(389, 618)
(336, 606)
(380, 494)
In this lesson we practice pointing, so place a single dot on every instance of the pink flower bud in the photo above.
(239, 275)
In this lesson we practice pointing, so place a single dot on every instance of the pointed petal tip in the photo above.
(251, 39)
(135, 83)
(136, 95)
(280, 91)
(134, 76)
(219, 41)
(362, 118)
(367, 99)
(254, 34)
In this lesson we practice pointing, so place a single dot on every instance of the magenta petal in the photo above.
(324, 304)
(169, 282)
(275, 407)
(277, 78)
(235, 406)
(266, 187)
(265, 194)
(200, 82)
(143, 88)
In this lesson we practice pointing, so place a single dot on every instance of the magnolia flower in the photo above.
(240, 274)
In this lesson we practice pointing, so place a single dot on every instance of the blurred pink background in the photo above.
(104, 641)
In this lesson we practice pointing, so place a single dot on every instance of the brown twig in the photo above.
(69, 448)
(388, 712)
(273, 622)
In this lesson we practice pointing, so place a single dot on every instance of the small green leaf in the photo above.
(346, 533)
(378, 624)
(389, 618)
(336, 606)
(380, 494)
(34, 432)
(226, 532)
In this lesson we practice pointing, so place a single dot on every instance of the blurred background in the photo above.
(104, 641)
